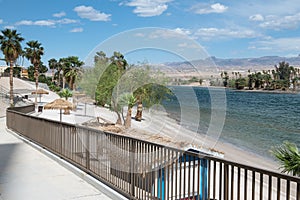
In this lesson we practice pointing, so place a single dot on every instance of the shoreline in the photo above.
(243, 90)
(157, 127)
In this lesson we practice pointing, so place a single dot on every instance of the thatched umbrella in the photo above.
(77, 94)
(60, 104)
(86, 100)
(40, 92)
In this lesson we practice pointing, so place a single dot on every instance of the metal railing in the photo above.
(144, 170)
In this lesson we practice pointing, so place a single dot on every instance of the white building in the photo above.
(2, 68)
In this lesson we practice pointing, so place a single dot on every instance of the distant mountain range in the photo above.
(238, 63)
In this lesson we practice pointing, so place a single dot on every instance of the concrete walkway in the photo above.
(27, 173)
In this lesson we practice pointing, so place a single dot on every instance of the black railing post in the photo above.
(87, 150)
(131, 169)
(226, 177)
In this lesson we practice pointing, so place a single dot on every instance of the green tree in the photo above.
(129, 100)
(34, 52)
(225, 77)
(73, 71)
(100, 56)
(31, 71)
(16, 71)
(147, 85)
(65, 93)
(53, 65)
(90, 77)
(10, 42)
(289, 157)
(108, 80)
(283, 70)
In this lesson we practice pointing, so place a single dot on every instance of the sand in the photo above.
(156, 126)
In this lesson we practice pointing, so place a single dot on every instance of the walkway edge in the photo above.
(81, 174)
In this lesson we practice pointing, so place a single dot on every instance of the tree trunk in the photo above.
(52, 75)
(64, 82)
(119, 120)
(58, 82)
(11, 84)
(71, 83)
(139, 112)
(36, 82)
(128, 118)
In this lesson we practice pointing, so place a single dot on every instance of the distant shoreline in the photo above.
(244, 90)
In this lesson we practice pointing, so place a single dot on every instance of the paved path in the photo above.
(28, 174)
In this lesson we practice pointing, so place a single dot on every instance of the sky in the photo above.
(223, 28)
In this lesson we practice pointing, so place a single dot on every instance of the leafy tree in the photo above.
(240, 83)
(34, 52)
(225, 77)
(108, 80)
(289, 157)
(10, 42)
(148, 86)
(71, 67)
(31, 71)
(16, 71)
(65, 93)
(100, 56)
(90, 78)
(200, 81)
(129, 100)
(284, 71)
(53, 65)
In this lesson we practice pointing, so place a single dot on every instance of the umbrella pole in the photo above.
(60, 115)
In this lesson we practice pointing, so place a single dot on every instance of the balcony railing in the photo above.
(143, 170)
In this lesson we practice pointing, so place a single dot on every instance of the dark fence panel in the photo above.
(24, 109)
(144, 170)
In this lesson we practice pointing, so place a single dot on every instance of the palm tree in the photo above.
(65, 93)
(63, 66)
(10, 42)
(100, 56)
(53, 65)
(289, 157)
(34, 51)
(73, 71)
(129, 100)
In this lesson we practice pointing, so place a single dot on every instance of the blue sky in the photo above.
(226, 29)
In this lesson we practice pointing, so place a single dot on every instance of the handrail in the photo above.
(145, 170)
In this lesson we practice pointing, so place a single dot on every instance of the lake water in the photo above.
(254, 121)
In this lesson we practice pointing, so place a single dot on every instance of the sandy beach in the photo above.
(156, 126)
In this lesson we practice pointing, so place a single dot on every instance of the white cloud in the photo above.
(88, 12)
(60, 14)
(281, 22)
(49, 23)
(167, 34)
(216, 33)
(202, 8)
(44, 23)
(9, 27)
(147, 8)
(182, 31)
(278, 45)
(67, 21)
(1, 21)
(36, 23)
(76, 30)
(139, 35)
(256, 17)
